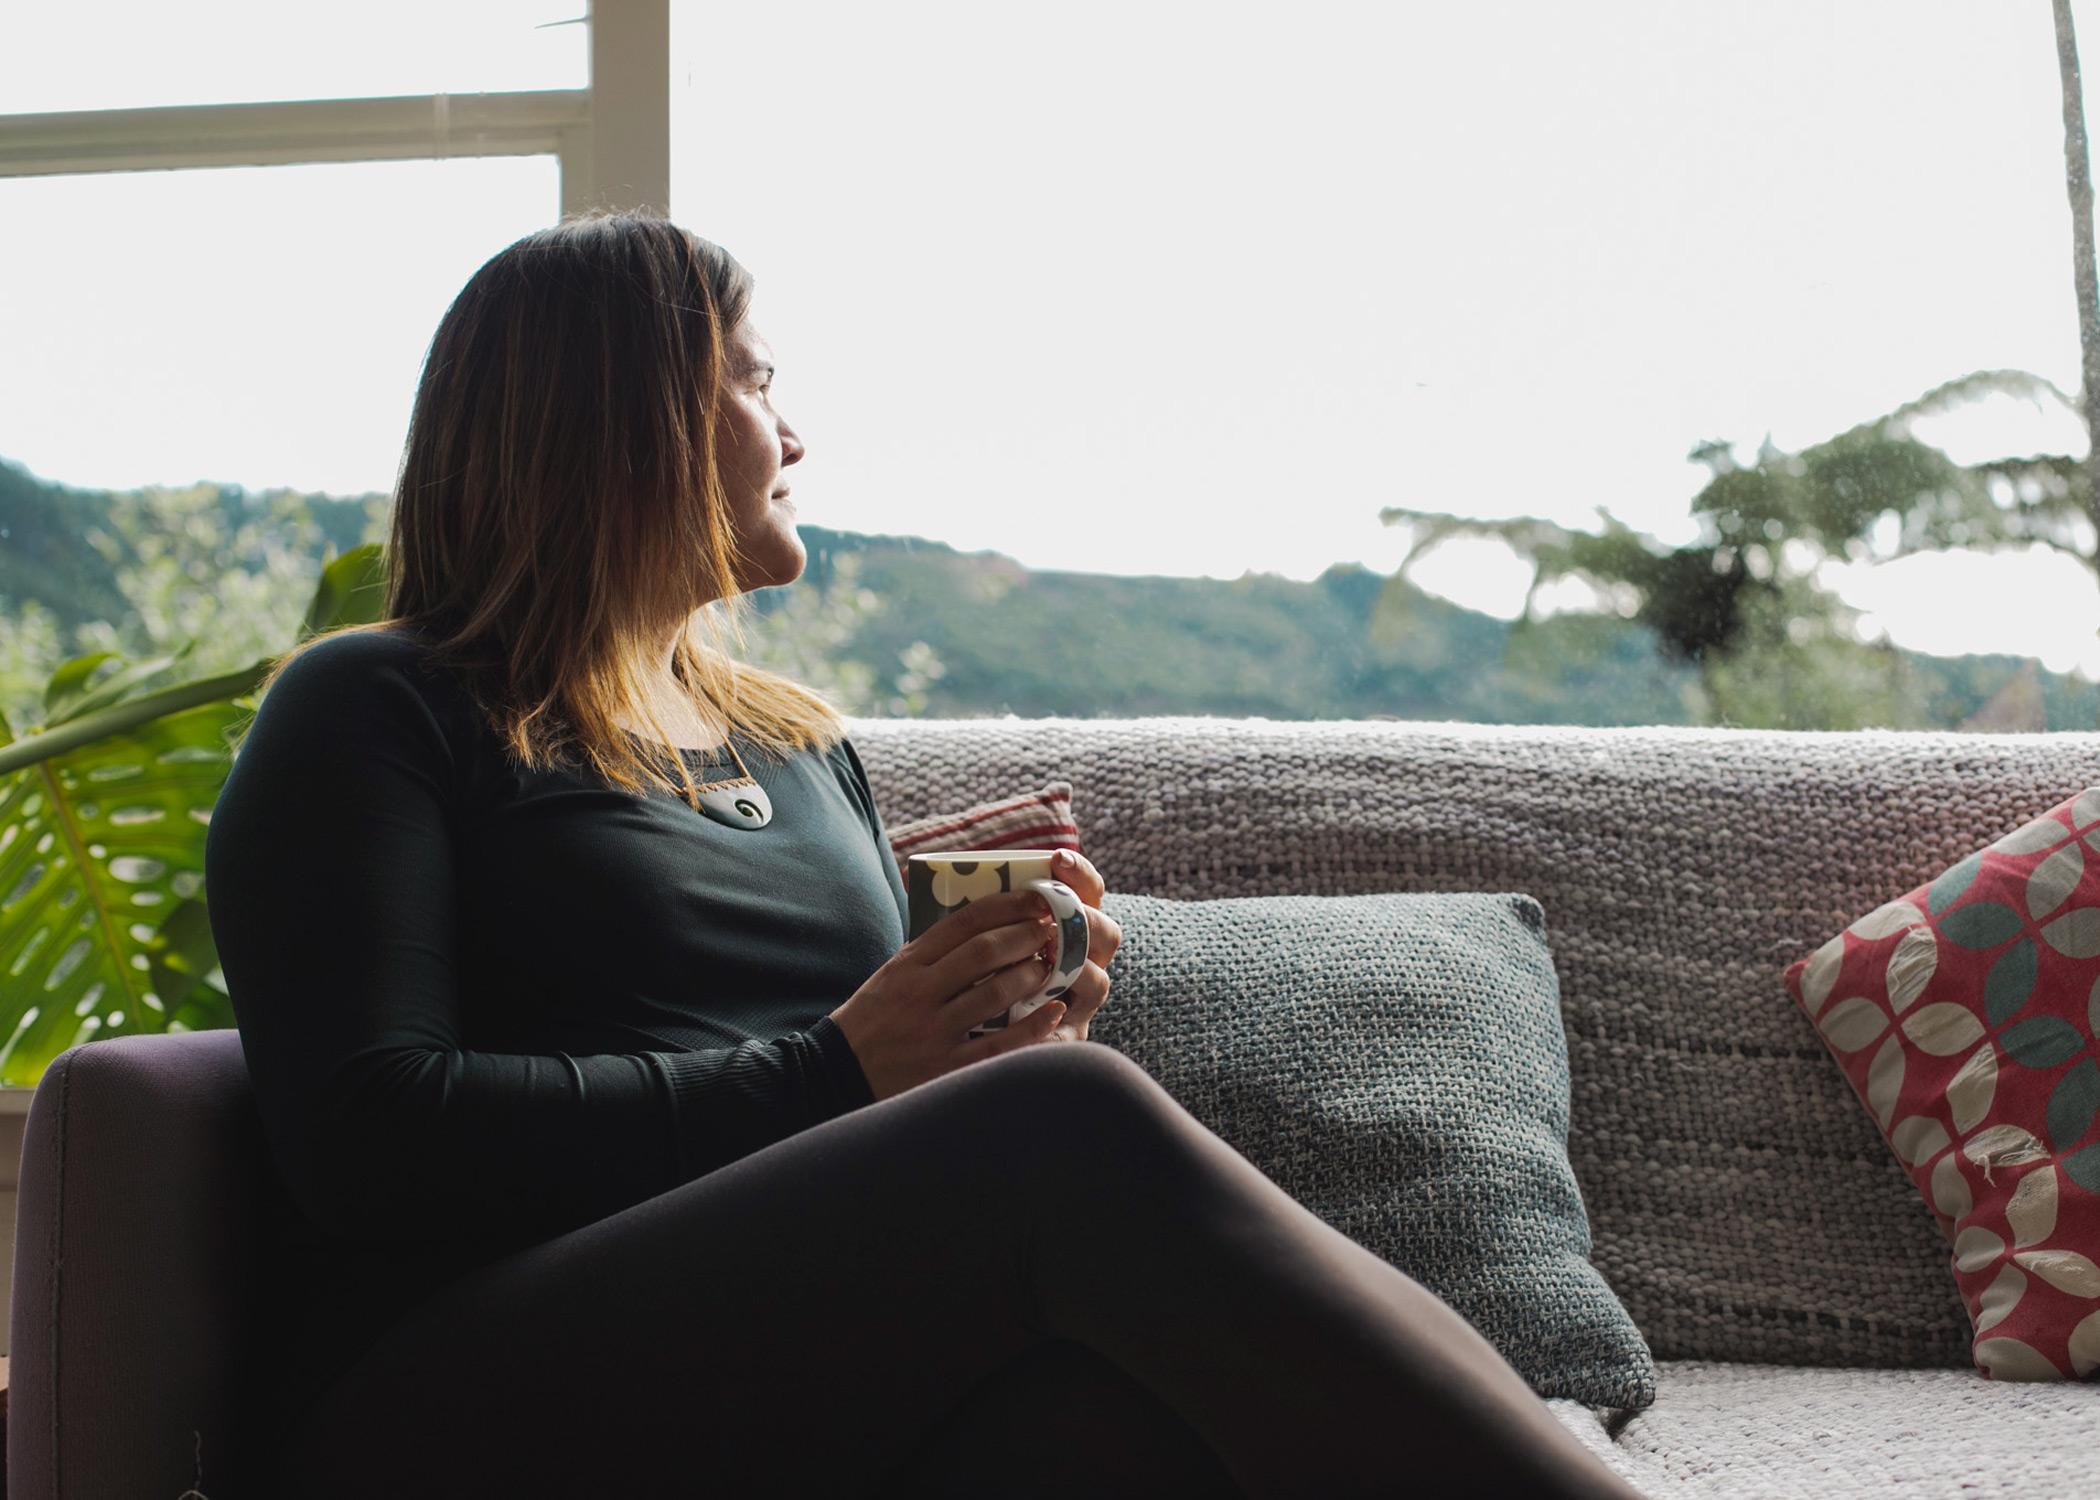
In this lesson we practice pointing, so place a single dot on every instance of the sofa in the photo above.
(1793, 1287)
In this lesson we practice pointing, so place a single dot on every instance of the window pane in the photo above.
(1208, 299)
(257, 326)
(207, 388)
(126, 54)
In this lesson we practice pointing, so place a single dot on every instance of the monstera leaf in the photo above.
(103, 924)
(97, 846)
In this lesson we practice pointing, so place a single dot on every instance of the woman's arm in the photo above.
(856, 780)
(330, 885)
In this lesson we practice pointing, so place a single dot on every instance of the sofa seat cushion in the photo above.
(1781, 1432)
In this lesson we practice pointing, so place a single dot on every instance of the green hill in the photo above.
(1346, 645)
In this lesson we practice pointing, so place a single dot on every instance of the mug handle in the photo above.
(1066, 962)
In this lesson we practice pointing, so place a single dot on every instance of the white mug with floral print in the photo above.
(939, 884)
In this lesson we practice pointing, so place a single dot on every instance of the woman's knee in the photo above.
(1085, 1064)
(1085, 1088)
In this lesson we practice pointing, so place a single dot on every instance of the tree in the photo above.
(1744, 603)
(231, 576)
(2078, 180)
(807, 634)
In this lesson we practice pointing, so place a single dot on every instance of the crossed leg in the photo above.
(813, 1317)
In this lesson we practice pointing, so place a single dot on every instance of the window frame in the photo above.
(611, 139)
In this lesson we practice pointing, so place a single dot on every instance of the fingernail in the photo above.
(1063, 857)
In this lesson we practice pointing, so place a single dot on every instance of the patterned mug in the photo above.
(947, 882)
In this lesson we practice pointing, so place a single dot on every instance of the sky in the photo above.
(1137, 287)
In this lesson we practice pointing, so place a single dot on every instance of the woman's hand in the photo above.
(910, 1021)
(1104, 936)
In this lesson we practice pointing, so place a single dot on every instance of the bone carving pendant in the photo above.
(741, 803)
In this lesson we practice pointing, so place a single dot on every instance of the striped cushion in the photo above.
(1032, 820)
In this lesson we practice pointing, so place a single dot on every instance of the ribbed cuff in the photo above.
(839, 1056)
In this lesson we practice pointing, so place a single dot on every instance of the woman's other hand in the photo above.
(1104, 936)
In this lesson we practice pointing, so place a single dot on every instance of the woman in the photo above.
(627, 1148)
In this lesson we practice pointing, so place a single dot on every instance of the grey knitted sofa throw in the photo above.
(1396, 1064)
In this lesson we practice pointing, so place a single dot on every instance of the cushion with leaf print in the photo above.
(1964, 1014)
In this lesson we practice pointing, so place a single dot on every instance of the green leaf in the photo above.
(1984, 924)
(2010, 983)
(123, 718)
(2042, 1042)
(209, 1008)
(352, 591)
(1963, 389)
(2084, 1168)
(100, 845)
(2072, 1104)
(1945, 890)
(115, 688)
(181, 954)
(66, 682)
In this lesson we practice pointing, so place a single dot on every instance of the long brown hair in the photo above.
(559, 505)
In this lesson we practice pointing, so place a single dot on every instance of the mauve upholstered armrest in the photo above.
(139, 1224)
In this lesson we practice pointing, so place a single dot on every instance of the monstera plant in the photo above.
(103, 930)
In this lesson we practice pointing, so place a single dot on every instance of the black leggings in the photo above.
(1037, 1274)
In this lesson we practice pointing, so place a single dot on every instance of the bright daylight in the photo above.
(669, 671)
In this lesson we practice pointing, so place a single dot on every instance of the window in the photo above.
(1207, 300)
(1228, 323)
(255, 325)
(106, 54)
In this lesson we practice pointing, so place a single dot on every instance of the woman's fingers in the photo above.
(959, 927)
(1103, 936)
(1089, 989)
(1078, 872)
(1034, 1027)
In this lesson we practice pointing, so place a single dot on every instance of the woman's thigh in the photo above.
(1056, 1422)
(794, 1322)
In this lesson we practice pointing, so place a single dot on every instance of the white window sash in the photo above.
(612, 140)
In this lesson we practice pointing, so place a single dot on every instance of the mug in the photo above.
(948, 881)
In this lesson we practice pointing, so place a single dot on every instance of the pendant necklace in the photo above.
(737, 801)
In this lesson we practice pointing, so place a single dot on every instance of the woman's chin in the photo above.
(775, 576)
(788, 569)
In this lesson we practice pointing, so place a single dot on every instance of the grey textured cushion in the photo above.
(1395, 1062)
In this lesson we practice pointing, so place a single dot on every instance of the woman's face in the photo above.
(756, 445)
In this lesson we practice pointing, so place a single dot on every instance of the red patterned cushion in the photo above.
(1033, 820)
(1964, 1013)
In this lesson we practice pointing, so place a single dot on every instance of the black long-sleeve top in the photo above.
(481, 1007)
